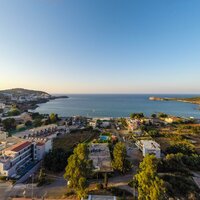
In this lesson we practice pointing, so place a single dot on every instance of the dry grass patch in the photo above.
(69, 141)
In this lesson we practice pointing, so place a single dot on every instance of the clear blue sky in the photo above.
(100, 46)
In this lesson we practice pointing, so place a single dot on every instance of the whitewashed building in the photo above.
(2, 106)
(3, 135)
(149, 147)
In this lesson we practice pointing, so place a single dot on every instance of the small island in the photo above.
(193, 100)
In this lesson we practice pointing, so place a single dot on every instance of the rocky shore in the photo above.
(34, 104)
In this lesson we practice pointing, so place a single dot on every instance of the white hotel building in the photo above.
(18, 156)
(15, 157)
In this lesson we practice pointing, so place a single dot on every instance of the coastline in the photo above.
(192, 100)
(34, 104)
(115, 106)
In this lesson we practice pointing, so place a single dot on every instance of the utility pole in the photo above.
(44, 195)
(134, 195)
(32, 176)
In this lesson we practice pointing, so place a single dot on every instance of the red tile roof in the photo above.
(18, 147)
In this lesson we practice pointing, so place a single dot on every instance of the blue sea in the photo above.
(117, 105)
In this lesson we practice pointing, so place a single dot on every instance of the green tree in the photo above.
(150, 186)
(14, 112)
(154, 133)
(53, 117)
(28, 123)
(37, 122)
(82, 186)
(56, 160)
(154, 115)
(136, 115)
(36, 115)
(162, 115)
(78, 169)
(9, 124)
(184, 147)
(123, 122)
(120, 162)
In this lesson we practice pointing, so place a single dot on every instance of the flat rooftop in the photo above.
(35, 130)
(150, 144)
(99, 153)
(101, 197)
(42, 128)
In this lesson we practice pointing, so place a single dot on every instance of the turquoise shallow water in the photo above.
(117, 106)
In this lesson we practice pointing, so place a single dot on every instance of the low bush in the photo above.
(119, 192)
(69, 192)
(179, 185)
(99, 186)
(181, 147)
(3, 178)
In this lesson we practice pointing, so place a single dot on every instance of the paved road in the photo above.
(54, 189)
(196, 178)
(121, 182)
(5, 189)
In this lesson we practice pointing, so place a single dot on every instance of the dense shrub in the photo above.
(3, 178)
(99, 186)
(179, 185)
(162, 115)
(56, 160)
(172, 163)
(179, 163)
(14, 112)
(181, 147)
(154, 133)
(9, 124)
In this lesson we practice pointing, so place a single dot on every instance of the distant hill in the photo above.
(193, 100)
(23, 92)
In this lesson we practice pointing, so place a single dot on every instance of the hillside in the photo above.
(23, 92)
(26, 99)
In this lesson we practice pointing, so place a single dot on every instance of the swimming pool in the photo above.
(104, 137)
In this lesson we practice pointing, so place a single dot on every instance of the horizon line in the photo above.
(124, 93)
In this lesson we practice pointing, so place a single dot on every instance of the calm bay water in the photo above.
(117, 106)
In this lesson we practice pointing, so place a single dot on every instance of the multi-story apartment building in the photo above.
(15, 157)
(19, 156)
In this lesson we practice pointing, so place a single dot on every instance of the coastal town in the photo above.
(99, 100)
(46, 156)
